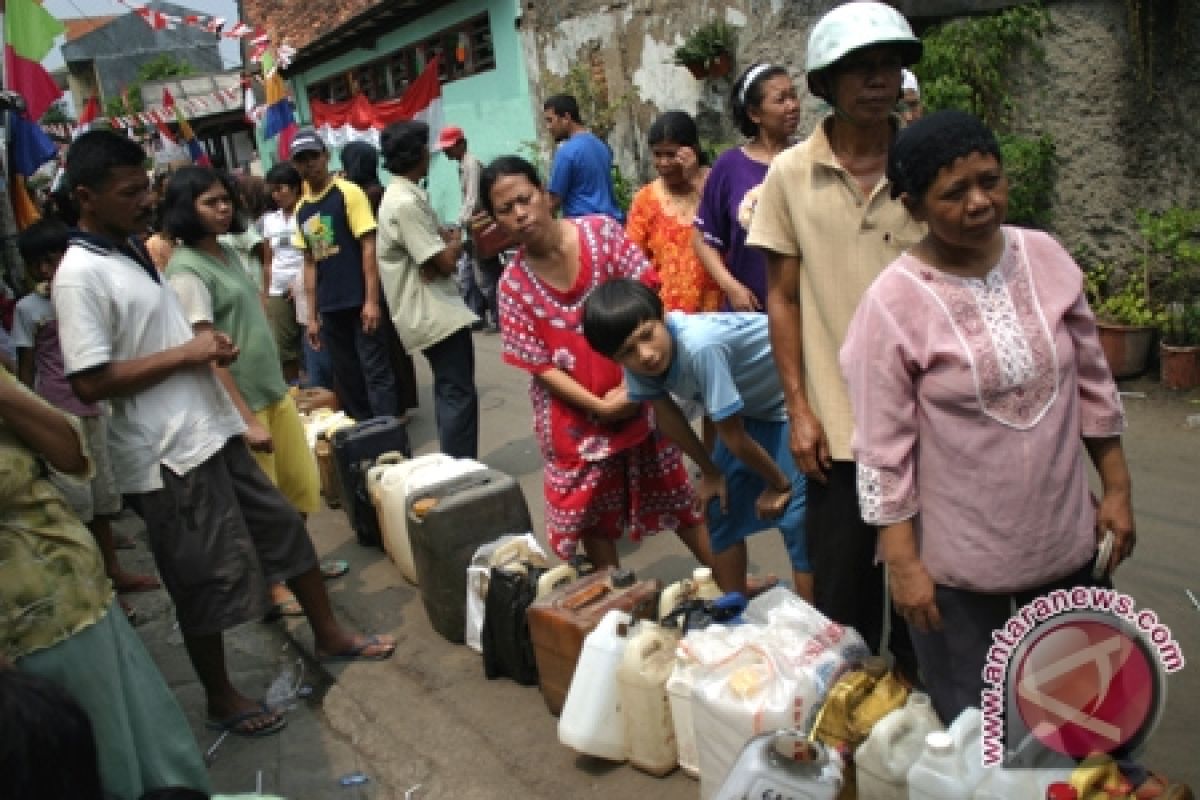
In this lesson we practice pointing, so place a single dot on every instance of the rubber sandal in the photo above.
(232, 724)
(334, 568)
(359, 652)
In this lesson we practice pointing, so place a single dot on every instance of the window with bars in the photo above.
(466, 49)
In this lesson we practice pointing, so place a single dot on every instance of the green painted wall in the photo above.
(493, 108)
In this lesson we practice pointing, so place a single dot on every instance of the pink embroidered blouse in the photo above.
(970, 400)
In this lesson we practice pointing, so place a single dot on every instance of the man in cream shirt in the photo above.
(416, 267)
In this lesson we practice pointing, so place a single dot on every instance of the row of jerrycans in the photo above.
(604, 664)
(434, 512)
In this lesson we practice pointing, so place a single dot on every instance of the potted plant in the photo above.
(708, 51)
(1126, 321)
(1172, 240)
(1179, 351)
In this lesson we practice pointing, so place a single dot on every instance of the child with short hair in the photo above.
(40, 367)
(722, 360)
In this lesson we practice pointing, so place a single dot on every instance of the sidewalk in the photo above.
(428, 716)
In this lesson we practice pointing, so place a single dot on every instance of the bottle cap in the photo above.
(701, 574)
(1061, 791)
(622, 578)
(939, 742)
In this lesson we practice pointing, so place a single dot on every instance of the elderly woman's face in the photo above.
(966, 203)
(866, 84)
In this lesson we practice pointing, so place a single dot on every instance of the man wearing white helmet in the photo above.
(827, 223)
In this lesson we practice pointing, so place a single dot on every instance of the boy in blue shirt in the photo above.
(723, 361)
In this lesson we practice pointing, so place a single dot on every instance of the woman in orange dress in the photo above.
(662, 213)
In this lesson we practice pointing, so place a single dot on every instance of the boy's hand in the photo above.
(314, 333)
(772, 503)
(711, 486)
(370, 316)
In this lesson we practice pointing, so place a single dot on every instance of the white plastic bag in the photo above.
(522, 548)
(747, 693)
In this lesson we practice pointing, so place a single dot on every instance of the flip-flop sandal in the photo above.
(233, 724)
(334, 568)
(288, 608)
(359, 652)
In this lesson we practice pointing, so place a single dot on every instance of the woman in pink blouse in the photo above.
(977, 380)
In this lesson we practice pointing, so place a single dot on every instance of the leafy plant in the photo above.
(706, 44)
(1030, 162)
(1172, 254)
(1123, 305)
(598, 109)
(1182, 325)
(623, 188)
(968, 65)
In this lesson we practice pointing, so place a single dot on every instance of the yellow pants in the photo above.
(291, 466)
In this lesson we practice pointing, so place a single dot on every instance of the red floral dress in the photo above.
(600, 478)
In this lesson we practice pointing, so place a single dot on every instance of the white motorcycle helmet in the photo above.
(854, 26)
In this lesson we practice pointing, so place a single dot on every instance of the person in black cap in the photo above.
(336, 229)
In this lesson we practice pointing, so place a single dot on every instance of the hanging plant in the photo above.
(708, 51)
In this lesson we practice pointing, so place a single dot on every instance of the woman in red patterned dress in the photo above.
(607, 470)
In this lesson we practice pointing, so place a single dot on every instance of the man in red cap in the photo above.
(477, 280)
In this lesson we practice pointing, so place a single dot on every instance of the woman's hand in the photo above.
(913, 594)
(616, 406)
(741, 298)
(711, 486)
(259, 438)
(1116, 514)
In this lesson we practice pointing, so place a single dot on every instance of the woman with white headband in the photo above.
(766, 109)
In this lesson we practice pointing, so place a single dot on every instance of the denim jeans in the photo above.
(362, 370)
(455, 399)
(318, 367)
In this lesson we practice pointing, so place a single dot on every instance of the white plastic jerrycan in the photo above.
(649, 732)
(679, 697)
(939, 773)
(591, 721)
(967, 732)
(783, 764)
(883, 760)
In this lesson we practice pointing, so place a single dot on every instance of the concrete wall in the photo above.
(1126, 139)
(493, 108)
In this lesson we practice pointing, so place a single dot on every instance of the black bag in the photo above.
(354, 452)
(507, 646)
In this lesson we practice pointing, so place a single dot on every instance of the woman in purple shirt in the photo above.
(766, 109)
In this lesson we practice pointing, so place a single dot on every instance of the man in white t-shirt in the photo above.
(284, 277)
(219, 530)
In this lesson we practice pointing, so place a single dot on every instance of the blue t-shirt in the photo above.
(582, 177)
(721, 360)
(329, 226)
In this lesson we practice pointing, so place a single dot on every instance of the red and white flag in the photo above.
(358, 119)
(91, 112)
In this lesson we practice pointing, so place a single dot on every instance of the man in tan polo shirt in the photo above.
(828, 225)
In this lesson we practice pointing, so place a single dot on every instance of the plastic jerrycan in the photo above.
(649, 731)
(939, 773)
(591, 721)
(393, 488)
(783, 764)
(375, 489)
(701, 585)
(882, 762)
(967, 732)
(679, 697)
